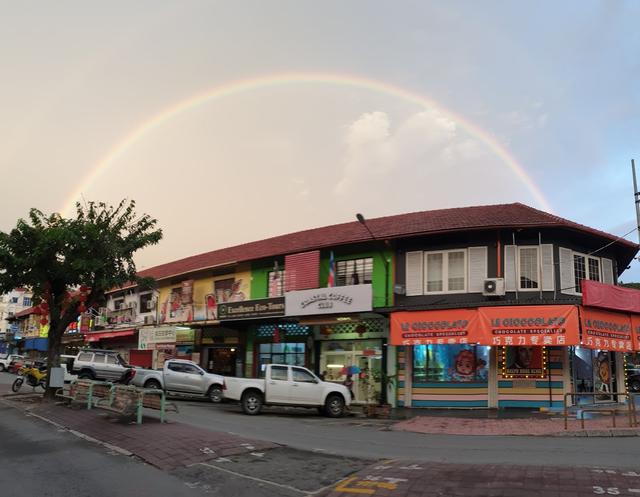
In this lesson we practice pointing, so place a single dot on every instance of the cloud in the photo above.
(426, 139)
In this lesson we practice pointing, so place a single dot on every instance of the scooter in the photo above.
(35, 377)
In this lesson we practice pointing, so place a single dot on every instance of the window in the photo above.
(528, 270)
(585, 268)
(450, 363)
(176, 366)
(190, 369)
(111, 359)
(302, 376)
(354, 272)
(118, 304)
(99, 358)
(279, 373)
(146, 302)
(223, 289)
(14, 300)
(26, 301)
(281, 353)
(85, 357)
(445, 271)
(276, 283)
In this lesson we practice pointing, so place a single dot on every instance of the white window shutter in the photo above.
(414, 276)
(546, 251)
(607, 271)
(567, 283)
(477, 269)
(510, 278)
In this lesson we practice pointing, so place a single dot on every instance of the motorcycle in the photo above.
(35, 377)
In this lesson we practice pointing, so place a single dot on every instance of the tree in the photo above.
(69, 264)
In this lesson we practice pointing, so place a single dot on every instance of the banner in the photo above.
(606, 330)
(635, 335)
(452, 326)
(596, 294)
(529, 325)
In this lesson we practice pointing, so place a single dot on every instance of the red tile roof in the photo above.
(515, 215)
(25, 312)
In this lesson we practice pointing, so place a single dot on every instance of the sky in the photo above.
(231, 122)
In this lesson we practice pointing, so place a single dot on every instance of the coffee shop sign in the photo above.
(355, 298)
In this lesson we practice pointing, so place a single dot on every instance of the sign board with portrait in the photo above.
(523, 361)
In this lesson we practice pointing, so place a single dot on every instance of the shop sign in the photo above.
(635, 325)
(251, 309)
(333, 300)
(453, 326)
(149, 337)
(530, 325)
(606, 330)
(185, 336)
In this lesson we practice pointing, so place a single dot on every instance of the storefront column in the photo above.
(567, 381)
(392, 370)
(621, 384)
(408, 375)
(492, 399)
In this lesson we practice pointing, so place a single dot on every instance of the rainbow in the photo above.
(249, 84)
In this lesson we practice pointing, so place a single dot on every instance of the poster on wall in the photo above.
(606, 330)
(178, 306)
(523, 361)
(224, 291)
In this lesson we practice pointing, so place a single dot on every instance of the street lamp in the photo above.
(363, 222)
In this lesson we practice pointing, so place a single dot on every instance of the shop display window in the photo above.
(292, 353)
(450, 363)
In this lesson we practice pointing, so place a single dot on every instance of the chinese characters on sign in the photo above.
(606, 330)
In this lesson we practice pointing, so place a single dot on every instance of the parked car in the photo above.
(182, 377)
(633, 379)
(6, 360)
(98, 364)
(288, 386)
(66, 361)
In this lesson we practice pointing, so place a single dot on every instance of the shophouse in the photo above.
(11, 303)
(473, 307)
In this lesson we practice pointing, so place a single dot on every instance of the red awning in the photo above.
(610, 297)
(95, 336)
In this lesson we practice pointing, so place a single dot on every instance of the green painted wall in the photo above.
(260, 274)
(260, 278)
(378, 276)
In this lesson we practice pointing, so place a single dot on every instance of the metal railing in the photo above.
(631, 407)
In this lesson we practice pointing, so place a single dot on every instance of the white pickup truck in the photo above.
(288, 386)
(182, 377)
(6, 359)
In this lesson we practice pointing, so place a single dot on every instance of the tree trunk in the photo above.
(53, 358)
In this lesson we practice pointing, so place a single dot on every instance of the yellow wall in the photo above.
(201, 288)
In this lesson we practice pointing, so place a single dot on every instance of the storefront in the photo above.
(221, 350)
(349, 341)
(155, 345)
(509, 356)
(121, 341)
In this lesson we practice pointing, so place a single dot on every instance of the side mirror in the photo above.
(201, 373)
(316, 381)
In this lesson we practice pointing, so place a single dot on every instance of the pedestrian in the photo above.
(348, 382)
(323, 375)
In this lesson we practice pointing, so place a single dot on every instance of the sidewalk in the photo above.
(164, 445)
(538, 425)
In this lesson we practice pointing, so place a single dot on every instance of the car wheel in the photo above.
(334, 406)
(153, 385)
(215, 394)
(252, 402)
(86, 375)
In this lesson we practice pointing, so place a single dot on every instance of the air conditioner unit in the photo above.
(493, 287)
(150, 304)
(149, 320)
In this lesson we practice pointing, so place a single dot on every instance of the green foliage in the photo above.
(54, 256)
(631, 285)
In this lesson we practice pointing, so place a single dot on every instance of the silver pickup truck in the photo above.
(182, 377)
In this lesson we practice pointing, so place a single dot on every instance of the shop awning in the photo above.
(607, 330)
(499, 325)
(95, 336)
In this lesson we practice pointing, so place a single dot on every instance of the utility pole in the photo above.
(636, 196)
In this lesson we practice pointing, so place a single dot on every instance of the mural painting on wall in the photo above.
(228, 290)
(178, 306)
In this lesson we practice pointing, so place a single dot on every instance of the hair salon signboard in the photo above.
(332, 300)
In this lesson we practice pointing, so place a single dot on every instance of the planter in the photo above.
(377, 411)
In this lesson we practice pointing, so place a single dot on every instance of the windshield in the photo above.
(121, 361)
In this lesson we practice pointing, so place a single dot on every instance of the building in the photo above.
(470, 307)
(11, 303)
